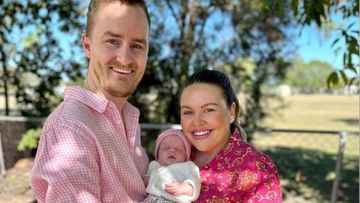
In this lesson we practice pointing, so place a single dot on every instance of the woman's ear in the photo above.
(86, 44)
(232, 112)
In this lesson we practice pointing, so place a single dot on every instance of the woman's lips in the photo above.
(201, 134)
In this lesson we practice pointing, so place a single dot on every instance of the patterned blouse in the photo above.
(240, 173)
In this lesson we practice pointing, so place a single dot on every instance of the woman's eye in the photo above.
(209, 110)
(186, 113)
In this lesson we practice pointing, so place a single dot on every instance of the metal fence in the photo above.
(314, 166)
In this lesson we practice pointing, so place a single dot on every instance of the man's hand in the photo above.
(177, 188)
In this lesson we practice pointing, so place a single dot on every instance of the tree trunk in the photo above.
(5, 77)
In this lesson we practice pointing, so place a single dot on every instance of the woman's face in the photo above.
(205, 117)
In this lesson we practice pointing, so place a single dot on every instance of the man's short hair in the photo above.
(94, 6)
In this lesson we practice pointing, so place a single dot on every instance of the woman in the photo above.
(231, 169)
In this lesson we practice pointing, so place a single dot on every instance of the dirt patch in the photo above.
(14, 185)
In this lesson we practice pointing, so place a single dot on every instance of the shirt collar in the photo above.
(95, 101)
(86, 97)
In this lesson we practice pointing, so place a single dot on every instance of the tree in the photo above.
(308, 77)
(322, 12)
(191, 35)
(31, 57)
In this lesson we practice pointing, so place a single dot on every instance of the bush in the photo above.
(29, 140)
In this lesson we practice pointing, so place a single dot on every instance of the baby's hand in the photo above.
(146, 180)
(177, 188)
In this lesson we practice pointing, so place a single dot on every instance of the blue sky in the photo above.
(314, 44)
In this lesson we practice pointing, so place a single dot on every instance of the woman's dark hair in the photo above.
(221, 80)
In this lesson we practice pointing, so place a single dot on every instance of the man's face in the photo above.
(117, 47)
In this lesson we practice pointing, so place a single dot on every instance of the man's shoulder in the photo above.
(70, 112)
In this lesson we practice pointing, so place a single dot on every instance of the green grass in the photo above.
(314, 155)
(320, 112)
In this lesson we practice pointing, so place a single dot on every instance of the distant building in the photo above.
(351, 90)
(282, 90)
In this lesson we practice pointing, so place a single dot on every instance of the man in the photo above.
(90, 148)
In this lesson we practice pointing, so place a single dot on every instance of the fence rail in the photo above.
(10, 135)
(340, 153)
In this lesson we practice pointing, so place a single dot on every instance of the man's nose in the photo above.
(125, 56)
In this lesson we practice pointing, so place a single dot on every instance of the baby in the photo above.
(173, 178)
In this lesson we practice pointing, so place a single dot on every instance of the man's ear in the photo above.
(86, 44)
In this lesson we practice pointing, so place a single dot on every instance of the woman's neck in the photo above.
(203, 158)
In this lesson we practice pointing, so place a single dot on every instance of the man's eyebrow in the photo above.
(112, 34)
(141, 41)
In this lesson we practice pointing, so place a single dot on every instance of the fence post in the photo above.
(342, 143)
(2, 161)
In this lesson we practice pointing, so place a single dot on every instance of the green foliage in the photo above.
(188, 36)
(321, 12)
(309, 77)
(31, 55)
(29, 140)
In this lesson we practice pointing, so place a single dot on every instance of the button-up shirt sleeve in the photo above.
(267, 186)
(67, 170)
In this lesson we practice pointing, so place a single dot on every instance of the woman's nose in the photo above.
(198, 119)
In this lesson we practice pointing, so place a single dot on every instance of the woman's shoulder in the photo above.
(243, 154)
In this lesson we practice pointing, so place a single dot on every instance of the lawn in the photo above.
(306, 162)
(320, 112)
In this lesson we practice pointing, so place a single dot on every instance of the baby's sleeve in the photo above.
(153, 165)
(193, 178)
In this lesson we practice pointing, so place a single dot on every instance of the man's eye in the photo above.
(136, 46)
(113, 42)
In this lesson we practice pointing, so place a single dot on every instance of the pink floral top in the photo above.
(240, 173)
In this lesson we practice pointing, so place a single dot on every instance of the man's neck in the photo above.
(118, 101)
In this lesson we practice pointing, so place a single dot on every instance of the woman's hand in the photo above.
(146, 180)
(177, 188)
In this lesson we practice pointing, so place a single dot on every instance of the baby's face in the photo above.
(171, 150)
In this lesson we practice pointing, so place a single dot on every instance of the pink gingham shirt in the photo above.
(86, 155)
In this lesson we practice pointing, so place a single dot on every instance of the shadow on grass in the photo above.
(348, 121)
(317, 174)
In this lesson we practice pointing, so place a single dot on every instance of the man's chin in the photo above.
(119, 93)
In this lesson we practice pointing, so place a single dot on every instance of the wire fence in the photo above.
(314, 166)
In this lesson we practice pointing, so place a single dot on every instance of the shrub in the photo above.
(29, 140)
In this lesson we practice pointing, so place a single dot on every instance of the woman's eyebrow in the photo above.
(204, 105)
(185, 107)
(209, 104)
